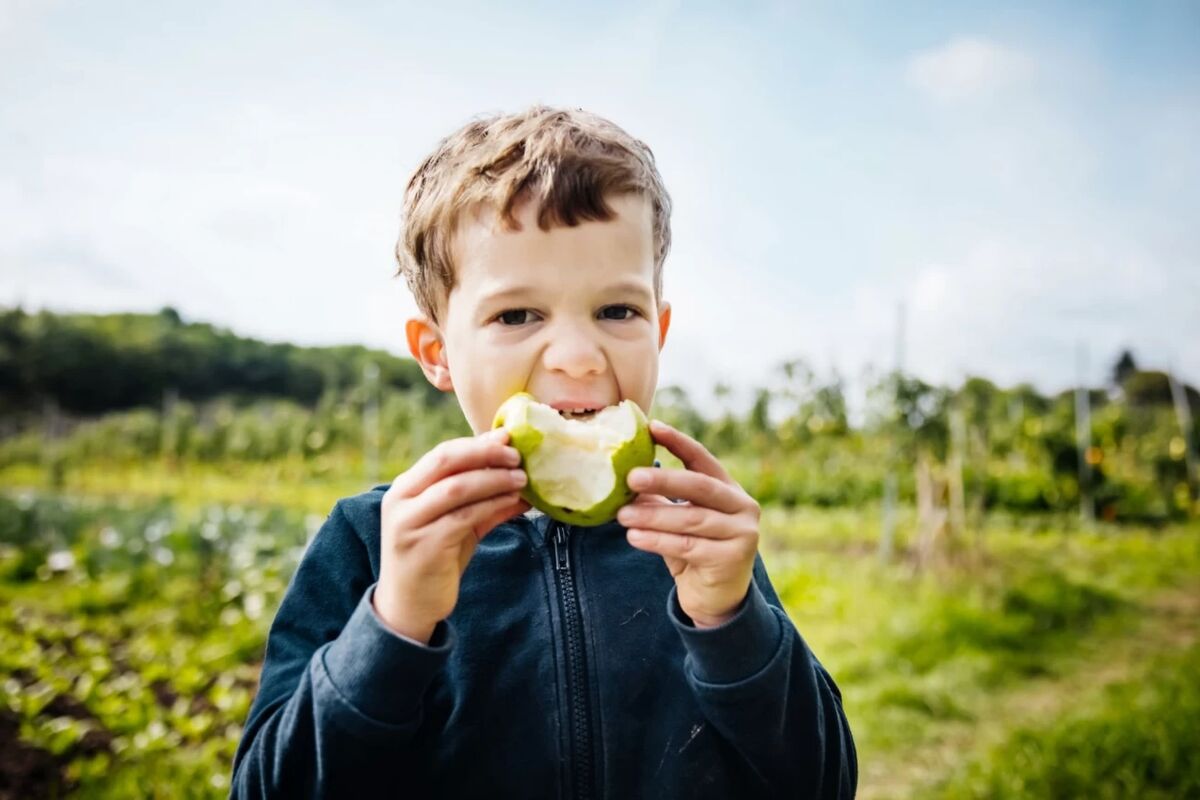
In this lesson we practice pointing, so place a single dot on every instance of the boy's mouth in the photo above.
(581, 414)
(576, 408)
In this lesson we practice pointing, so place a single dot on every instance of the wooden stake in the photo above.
(1083, 438)
(1184, 415)
(890, 489)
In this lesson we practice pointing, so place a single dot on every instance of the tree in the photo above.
(1148, 388)
(1123, 368)
(673, 405)
(828, 408)
(93, 363)
(759, 419)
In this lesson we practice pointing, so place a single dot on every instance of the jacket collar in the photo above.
(537, 527)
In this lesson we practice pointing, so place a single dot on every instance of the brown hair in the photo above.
(564, 160)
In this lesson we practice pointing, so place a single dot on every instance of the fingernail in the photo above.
(511, 456)
(517, 477)
(638, 480)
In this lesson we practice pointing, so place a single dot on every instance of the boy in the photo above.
(440, 638)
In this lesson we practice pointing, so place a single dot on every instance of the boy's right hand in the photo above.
(432, 518)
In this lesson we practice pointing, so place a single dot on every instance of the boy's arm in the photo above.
(340, 693)
(766, 693)
(754, 677)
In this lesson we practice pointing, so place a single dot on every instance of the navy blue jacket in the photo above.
(567, 669)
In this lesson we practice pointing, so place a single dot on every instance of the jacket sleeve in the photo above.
(340, 694)
(764, 690)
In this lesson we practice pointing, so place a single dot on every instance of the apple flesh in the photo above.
(577, 468)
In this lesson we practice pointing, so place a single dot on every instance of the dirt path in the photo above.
(1169, 621)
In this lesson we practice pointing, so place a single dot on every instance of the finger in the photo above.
(683, 546)
(694, 455)
(695, 487)
(460, 490)
(647, 499)
(695, 520)
(453, 456)
(472, 520)
(517, 506)
(507, 512)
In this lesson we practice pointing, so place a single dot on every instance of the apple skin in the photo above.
(637, 452)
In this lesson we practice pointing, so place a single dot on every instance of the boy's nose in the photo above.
(573, 353)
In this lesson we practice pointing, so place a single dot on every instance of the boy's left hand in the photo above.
(709, 541)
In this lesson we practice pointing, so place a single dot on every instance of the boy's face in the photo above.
(568, 315)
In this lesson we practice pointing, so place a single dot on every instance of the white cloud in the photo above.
(1021, 308)
(967, 67)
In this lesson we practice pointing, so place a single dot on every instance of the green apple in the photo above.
(577, 468)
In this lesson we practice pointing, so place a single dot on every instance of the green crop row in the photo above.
(130, 637)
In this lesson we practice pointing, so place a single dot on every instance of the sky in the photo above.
(1023, 179)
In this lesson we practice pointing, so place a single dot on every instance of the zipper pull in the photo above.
(562, 550)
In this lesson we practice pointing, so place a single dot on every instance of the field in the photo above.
(1032, 659)
(153, 510)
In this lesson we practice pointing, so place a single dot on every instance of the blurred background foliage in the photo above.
(127, 389)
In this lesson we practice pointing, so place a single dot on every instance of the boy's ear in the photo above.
(427, 347)
(664, 322)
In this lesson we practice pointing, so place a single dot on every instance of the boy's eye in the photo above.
(514, 316)
(618, 312)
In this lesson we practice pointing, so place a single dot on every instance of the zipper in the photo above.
(582, 767)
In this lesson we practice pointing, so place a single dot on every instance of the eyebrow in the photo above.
(631, 287)
(625, 286)
(505, 294)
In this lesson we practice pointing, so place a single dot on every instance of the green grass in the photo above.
(1139, 739)
(921, 656)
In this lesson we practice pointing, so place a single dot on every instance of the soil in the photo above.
(25, 771)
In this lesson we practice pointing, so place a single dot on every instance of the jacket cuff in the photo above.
(737, 648)
(382, 674)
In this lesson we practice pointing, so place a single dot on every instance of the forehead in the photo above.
(490, 258)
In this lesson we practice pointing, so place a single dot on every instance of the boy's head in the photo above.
(534, 245)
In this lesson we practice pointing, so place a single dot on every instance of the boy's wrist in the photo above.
(735, 650)
(400, 624)
(703, 622)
